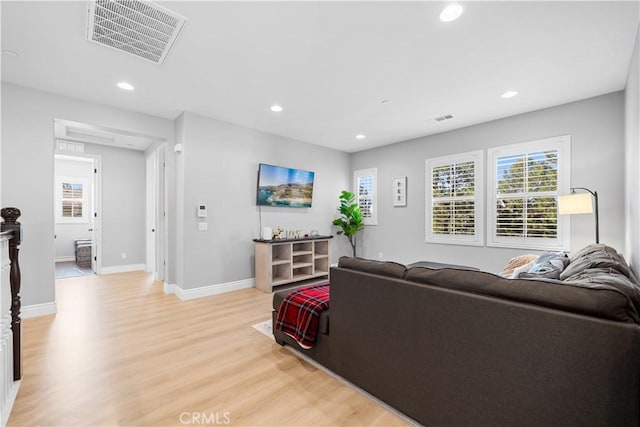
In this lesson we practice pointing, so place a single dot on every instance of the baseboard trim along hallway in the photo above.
(206, 291)
(37, 310)
(123, 268)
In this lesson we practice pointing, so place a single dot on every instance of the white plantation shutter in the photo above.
(365, 182)
(454, 198)
(525, 183)
(72, 199)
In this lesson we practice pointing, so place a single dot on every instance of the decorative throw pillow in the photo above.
(516, 262)
(549, 265)
(521, 270)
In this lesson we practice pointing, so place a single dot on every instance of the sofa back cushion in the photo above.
(589, 297)
(383, 268)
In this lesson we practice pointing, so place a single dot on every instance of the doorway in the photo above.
(76, 214)
(71, 138)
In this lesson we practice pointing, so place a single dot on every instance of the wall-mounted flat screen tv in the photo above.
(279, 186)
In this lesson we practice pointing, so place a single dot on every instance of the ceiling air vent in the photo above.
(443, 118)
(141, 28)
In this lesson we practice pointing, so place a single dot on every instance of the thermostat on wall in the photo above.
(202, 211)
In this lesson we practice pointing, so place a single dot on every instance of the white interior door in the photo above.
(93, 217)
(161, 217)
(151, 228)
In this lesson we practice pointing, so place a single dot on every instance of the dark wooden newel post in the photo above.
(10, 216)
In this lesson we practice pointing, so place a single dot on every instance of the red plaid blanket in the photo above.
(299, 313)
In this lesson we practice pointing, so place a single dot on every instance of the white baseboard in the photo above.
(65, 259)
(37, 310)
(168, 288)
(205, 291)
(10, 400)
(123, 268)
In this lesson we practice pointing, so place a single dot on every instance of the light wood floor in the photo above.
(120, 352)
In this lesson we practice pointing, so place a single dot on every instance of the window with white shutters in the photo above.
(453, 199)
(71, 200)
(526, 180)
(365, 188)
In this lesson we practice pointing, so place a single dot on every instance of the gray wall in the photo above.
(597, 154)
(123, 204)
(27, 170)
(68, 233)
(219, 167)
(632, 154)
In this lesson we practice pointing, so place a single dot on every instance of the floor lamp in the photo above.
(580, 203)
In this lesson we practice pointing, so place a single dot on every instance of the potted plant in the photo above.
(350, 220)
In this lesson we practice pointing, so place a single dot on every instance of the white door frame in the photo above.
(157, 221)
(162, 236)
(96, 262)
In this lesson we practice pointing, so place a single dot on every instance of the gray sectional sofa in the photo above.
(456, 347)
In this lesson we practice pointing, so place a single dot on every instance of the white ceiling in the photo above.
(330, 64)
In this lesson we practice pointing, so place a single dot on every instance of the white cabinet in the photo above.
(280, 262)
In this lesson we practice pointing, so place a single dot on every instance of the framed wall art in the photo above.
(400, 191)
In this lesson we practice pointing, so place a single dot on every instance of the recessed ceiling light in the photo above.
(11, 53)
(510, 94)
(125, 86)
(361, 136)
(276, 108)
(451, 13)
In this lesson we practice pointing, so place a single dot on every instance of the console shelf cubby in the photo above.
(280, 262)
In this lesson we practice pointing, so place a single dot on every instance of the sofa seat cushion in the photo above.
(323, 326)
(585, 297)
(382, 268)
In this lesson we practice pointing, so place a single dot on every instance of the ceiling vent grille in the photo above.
(443, 118)
(141, 28)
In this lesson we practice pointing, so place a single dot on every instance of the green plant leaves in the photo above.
(350, 220)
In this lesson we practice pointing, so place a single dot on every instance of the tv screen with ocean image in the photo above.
(280, 186)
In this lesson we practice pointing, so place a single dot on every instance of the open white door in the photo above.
(155, 222)
(161, 218)
(150, 221)
(95, 223)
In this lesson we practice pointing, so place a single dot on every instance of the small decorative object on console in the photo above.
(278, 233)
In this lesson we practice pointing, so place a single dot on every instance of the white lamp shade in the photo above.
(575, 204)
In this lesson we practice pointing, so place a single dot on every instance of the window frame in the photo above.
(84, 219)
(477, 239)
(373, 173)
(562, 144)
